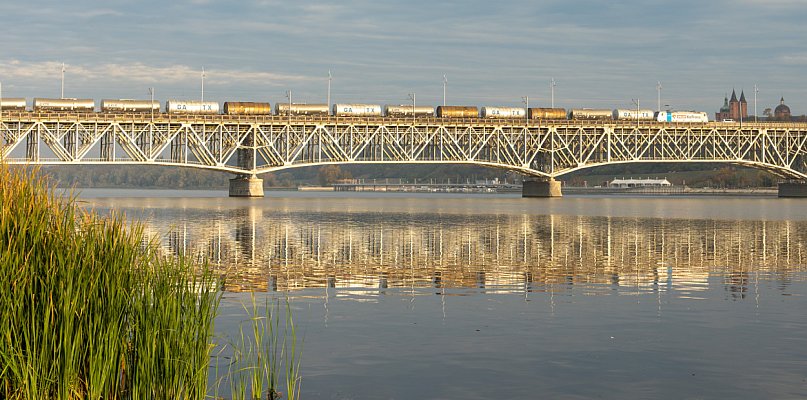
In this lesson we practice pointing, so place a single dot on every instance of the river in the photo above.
(463, 296)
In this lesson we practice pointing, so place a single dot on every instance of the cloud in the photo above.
(141, 73)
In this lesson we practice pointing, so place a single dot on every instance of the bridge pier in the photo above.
(542, 188)
(246, 186)
(793, 189)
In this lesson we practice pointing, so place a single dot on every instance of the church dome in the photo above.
(782, 111)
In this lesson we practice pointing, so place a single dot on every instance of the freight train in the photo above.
(350, 110)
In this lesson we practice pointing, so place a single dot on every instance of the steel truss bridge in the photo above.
(249, 146)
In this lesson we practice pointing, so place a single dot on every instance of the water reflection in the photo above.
(259, 249)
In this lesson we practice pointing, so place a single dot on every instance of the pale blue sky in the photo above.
(602, 54)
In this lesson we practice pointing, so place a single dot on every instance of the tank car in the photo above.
(55, 105)
(127, 105)
(357, 110)
(457, 112)
(407, 111)
(682, 116)
(12, 104)
(590, 113)
(503, 112)
(547, 113)
(247, 108)
(630, 115)
(191, 107)
(301, 109)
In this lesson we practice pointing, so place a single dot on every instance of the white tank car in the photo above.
(590, 113)
(682, 116)
(12, 104)
(357, 110)
(128, 105)
(406, 111)
(48, 105)
(301, 109)
(630, 115)
(503, 112)
(191, 107)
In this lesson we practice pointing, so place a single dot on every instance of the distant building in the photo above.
(782, 112)
(733, 109)
(629, 183)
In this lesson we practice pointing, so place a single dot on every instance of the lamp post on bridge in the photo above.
(329, 91)
(636, 101)
(412, 97)
(445, 83)
(203, 83)
(552, 85)
(658, 88)
(151, 92)
(526, 101)
(288, 112)
(61, 96)
(756, 90)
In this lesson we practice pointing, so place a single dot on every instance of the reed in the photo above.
(266, 357)
(87, 311)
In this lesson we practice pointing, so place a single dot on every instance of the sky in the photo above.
(602, 54)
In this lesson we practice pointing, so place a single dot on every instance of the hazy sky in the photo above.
(602, 54)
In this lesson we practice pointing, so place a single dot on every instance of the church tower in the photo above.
(743, 106)
(724, 112)
(734, 106)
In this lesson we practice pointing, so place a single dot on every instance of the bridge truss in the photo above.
(255, 145)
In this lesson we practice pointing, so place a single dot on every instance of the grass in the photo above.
(263, 348)
(89, 309)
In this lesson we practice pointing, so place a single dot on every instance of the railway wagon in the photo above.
(547, 113)
(357, 110)
(12, 104)
(191, 107)
(129, 105)
(457, 112)
(408, 111)
(301, 109)
(247, 108)
(590, 114)
(55, 105)
(682, 116)
(503, 112)
(631, 115)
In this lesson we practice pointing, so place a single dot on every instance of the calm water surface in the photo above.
(403, 296)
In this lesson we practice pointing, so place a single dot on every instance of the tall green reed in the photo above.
(265, 353)
(87, 311)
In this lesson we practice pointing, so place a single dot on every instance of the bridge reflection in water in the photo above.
(255, 249)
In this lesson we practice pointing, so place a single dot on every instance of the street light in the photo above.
(151, 92)
(756, 90)
(552, 85)
(62, 93)
(288, 96)
(526, 100)
(636, 101)
(203, 83)
(658, 87)
(445, 83)
(329, 90)
(412, 97)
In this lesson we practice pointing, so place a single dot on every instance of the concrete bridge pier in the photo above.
(246, 186)
(541, 188)
(793, 189)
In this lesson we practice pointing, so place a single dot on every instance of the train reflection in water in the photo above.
(494, 253)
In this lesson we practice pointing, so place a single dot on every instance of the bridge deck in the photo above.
(252, 145)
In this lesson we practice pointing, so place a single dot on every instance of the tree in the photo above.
(329, 174)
